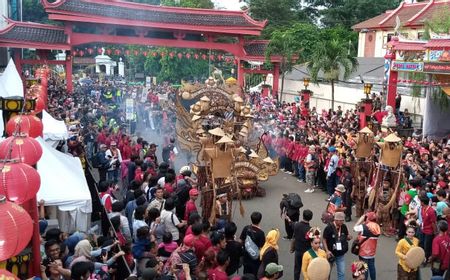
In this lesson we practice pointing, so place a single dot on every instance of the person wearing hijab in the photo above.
(315, 251)
(84, 253)
(269, 252)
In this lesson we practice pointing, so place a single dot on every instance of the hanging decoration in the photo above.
(180, 55)
(171, 54)
(204, 56)
(27, 124)
(19, 182)
(188, 56)
(196, 56)
(108, 51)
(21, 147)
(16, 229)
(136, 52)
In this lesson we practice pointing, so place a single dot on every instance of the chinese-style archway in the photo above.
(119, 22)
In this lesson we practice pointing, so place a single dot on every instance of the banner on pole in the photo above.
(129, 109)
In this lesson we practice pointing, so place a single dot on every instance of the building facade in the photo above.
(408, 18)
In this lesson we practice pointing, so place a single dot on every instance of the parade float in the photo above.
(215, 126)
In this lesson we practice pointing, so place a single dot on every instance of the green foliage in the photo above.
(150, 2)
(331, 57)
(204, 4)
(280, 14)
(438, 23)
(175, 69)
(349, 12)
(34, 11)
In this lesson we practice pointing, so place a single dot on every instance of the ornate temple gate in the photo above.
(115, 22)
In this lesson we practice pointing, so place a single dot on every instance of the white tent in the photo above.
(54, 130)
(64, 185)
(10, 85)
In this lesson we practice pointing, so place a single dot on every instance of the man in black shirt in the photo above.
(258, 236)
(234, 248)
(347, 181)
(299, 243)
(335, 242)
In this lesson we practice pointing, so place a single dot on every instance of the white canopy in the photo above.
(54, 130)
(64, 185)
(10, 85)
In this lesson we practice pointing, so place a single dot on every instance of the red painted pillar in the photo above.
(276, 80)
(365, 113)
(240, 74)
(36, 239)
(392, 82)
(306, 96)
(69, 82)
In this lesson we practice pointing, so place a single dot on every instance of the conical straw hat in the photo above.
(217, 132)
(366, 130)
(205, 98)
(238, 99)
(196, 117)
(253, 154)
(392, 138)
(200, 131)
(268, 160)
(318, 269)
(224, 139)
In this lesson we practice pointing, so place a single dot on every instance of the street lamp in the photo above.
(306, 82)
(367, 89)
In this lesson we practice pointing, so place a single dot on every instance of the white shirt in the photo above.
(166, 220)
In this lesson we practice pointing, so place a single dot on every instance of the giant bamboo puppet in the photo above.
(362, 169)
(383, 196)
(215, 124)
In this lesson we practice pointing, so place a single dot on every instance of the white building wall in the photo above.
(361, 44)
(3, 13)
(379, 42)
(344, 96)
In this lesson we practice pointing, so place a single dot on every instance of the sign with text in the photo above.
(129, 109)
(407, 66)
(436, 67)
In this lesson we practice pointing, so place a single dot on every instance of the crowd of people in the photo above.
(151, 227)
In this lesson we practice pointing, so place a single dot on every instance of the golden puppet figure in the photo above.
(364, 143)
(391, 150)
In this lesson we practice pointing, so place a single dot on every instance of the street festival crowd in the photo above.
(151, 227)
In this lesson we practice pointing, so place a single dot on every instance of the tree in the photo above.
(280, 14)
(34, 11)
(349, 12)
(283, 43)
(203, 4)
(331, 57)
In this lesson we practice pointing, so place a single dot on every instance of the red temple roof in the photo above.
(438, 44)
(135, 14)
(33, 35)
(410, 15)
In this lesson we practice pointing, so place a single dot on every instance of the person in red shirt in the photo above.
(440, 257)
(219, 272)
(168, 185)
(190, 205)
(428, 225)
(101, 137)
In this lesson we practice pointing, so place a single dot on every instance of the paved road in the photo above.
(386, 262)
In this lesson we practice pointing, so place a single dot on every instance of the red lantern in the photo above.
(180, 55)
(136, 52)
(171, 54)
(154, 54)
(108, 51)
(19, 182)
(40, 105)
(16, 229)
(90, 51)
(188, 55)
(219, 57)
(127, 52)
(99, 51)
(212, 57)
(227, 60)
(74, 53)
(204, 56)
(196, 56)
(28, 124)
(117, 52)
(163, 54)
(81, 53)
(25, 148)
(145, 53)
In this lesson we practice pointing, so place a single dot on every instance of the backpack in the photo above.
(294, 200)
(250, 247)
(96, 160)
